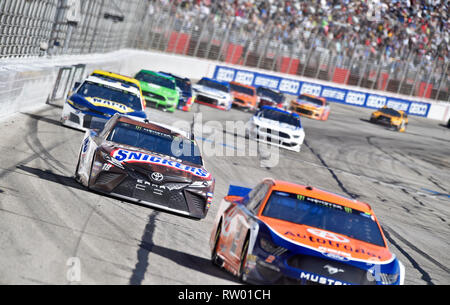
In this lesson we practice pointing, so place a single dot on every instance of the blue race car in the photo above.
(98, 98)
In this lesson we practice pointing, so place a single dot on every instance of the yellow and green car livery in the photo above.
(396, 119)
(159, 91)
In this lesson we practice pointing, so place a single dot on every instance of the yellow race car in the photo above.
(396, 119)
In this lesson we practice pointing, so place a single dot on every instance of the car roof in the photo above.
(280, 110)
(216, 81)
(167, 74)
(314, 192)
(116, 76)
(157, 74)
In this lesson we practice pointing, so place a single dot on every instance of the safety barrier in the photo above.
(28, 84)
(331, 93)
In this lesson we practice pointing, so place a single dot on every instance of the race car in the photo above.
(91, 103)
(159, 91)
(147, 163)
(243, 96)
(213, 93)
(311, 106)
(277, 127)
(285, 233)
(184, 90)
(396, 119)
(270, 97)
(122, 78)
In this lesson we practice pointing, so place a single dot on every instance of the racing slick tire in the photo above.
(244, 252)
(215, 259)
(76, 176)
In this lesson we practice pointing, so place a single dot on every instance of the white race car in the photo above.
(277, 127)
(213, 93)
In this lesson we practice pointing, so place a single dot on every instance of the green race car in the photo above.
(159, 91)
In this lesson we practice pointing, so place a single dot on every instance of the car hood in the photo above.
(158, 89)
(307, 105)
(211, 91)
(244, 96)
(105, 106)
(150, 162)
(334, 244)
(272, 124)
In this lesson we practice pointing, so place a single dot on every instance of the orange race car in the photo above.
(396, 119)
(285, 233)
(311, 106)
(244, 96)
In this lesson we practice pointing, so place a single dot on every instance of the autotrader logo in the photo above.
(157, 176)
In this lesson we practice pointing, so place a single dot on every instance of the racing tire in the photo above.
(215, 260)
(244, 252)
(77, 176)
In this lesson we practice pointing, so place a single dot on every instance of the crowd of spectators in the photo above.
(414, 30)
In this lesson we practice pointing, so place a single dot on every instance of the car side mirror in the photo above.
(76, 85)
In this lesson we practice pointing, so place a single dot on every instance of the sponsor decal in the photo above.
(328, 235)
(376, 101)
(398, 105)
(109, 104)
(418, 108)
(224, 74)
(334, 94)
(355, 98)
(342, 248)
(266, 81)
(319, 279)
(245, 78)
(289, 86)
(123, 155)
(310, 89)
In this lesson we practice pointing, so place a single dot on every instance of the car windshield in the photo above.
(266, 92)
(324, 215)
(309, 99)
(390, 111)
(211, 84)
(90, 89)
(282, 117)
(155, 141)
(242, 89)
(184, 85)
(155, 79)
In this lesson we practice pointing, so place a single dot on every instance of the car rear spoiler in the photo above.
(238, 191)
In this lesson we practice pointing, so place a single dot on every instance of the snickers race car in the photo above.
(184, 88)
(213, 93)
(243, 96)
(270, 97)
(98, 98)
(146, 163)
(396, 119)
(285, 233)
(277, 127)
(311, 106)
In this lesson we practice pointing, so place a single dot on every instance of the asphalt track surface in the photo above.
(47, 219)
